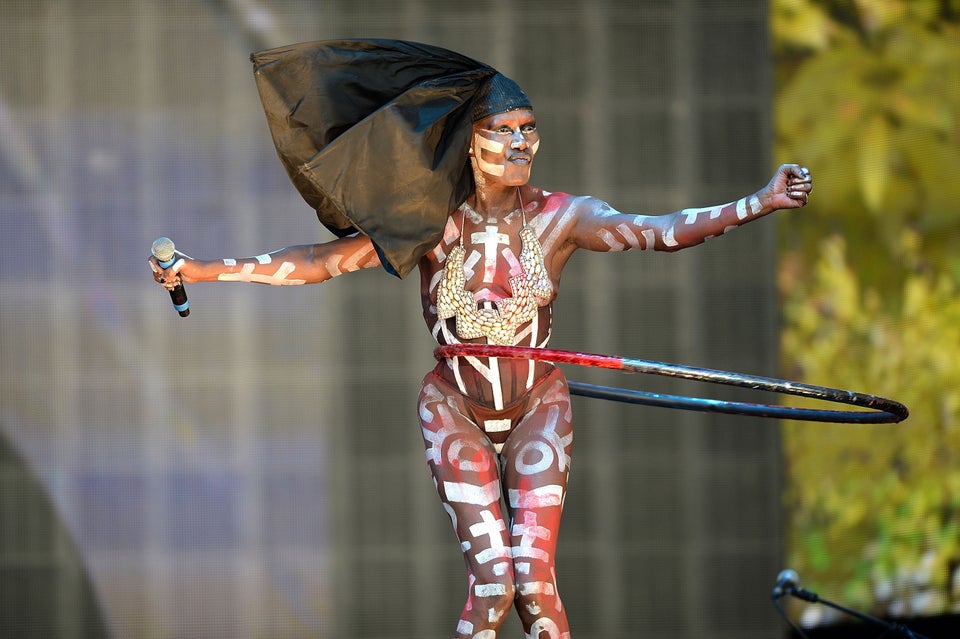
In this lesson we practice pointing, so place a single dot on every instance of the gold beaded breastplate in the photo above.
(530, 290)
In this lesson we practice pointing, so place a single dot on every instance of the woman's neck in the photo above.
(496, 203)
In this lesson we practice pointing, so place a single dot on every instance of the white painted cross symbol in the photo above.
(491, 527)
(490, 239)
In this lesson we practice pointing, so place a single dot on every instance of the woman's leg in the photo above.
(536, 463)
(464, 467)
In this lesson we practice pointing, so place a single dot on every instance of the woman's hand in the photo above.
(181, 271)
(789, 188)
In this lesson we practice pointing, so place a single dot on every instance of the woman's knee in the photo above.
(538, 599)
(490, 602)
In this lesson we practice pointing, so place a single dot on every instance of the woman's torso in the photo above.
(492, 249)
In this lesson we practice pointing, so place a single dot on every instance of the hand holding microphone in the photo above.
(165, 252)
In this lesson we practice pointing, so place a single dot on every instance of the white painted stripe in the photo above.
(501, 552)
(488, 144)
(535, 587)
(551, 495)
(496, 425)
(464, 493)
(668, 238)
(264, 259)
(610, 240)
(649, 239)
(489, 590)
(628, 235)
(741, 209)
(495, 384)
(352, 261)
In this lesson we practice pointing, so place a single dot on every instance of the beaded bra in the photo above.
(531, 289)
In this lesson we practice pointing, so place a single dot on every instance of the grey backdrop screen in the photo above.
(256, 469)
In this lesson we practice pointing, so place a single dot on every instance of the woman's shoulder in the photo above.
(566, 203)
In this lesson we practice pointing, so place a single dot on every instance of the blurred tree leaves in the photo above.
(868, 96)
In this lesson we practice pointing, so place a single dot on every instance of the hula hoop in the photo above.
(881, 410)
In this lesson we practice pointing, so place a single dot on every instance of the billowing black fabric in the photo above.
(374, 135)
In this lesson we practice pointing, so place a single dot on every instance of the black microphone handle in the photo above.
(178, 295)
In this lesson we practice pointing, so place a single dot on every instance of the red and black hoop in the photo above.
(880, 410)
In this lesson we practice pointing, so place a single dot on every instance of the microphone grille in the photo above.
(788, 576)
(163, 249)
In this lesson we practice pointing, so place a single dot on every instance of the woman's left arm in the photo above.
(599, 227)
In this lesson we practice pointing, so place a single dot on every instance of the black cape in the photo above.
(374, 135)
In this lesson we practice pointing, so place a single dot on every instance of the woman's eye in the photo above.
(529, 128)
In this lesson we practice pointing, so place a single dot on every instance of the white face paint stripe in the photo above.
(491, 169)
(535, 147)
(483, 143)
(488, 144)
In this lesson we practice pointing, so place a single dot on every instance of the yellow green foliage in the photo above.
(868, 96)
(875, 509)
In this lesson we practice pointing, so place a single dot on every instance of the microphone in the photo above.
(787, 581)
(164, 250)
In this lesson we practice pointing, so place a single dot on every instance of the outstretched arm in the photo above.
(305, 264)
(600, 228)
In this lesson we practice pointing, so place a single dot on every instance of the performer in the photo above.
(498, 433)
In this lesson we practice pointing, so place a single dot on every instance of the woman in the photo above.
(498, 433)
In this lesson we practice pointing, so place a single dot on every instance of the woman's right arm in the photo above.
(294, 265)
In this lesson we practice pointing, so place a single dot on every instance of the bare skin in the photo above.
(501, 476)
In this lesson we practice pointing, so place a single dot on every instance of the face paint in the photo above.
(493, 146)
(504, 146)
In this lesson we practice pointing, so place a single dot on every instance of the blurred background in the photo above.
(256, 470)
